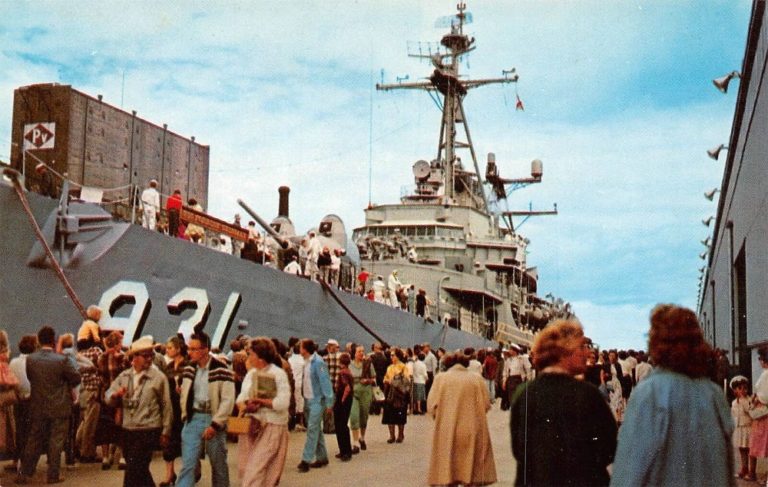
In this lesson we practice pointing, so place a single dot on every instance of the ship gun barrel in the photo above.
(284, 243)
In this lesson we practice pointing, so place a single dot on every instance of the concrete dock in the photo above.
(382, 464)
(406, 463)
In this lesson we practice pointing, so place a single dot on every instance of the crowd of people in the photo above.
(660, 420)
(577, 416)
(310, 258)
(82, 393)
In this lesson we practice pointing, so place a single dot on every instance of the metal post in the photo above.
(439, 286)
(133, 203)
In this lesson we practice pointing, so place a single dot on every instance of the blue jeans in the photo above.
(314, 447)
(192, 447)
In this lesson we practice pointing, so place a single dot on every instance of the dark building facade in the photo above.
(99, 145)
(734, 286)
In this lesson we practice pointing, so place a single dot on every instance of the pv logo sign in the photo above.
(39, 135)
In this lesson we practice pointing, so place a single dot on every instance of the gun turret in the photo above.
(284, 243)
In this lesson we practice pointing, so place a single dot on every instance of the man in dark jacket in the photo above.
(51, 378)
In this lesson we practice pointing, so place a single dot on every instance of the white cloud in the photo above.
(618, 98)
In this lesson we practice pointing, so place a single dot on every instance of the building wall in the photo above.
(100, 145)
(732, 307)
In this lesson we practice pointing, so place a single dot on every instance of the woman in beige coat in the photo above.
(461, 444)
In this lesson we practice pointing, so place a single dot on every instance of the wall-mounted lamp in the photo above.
(714, 153)
(710, 195)
(703, 255)
(707, 221)
(722, 82)
(705, 242)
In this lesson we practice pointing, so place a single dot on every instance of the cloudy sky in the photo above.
(619, 106)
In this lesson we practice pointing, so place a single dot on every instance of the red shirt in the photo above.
(362, 277)
(174, 203)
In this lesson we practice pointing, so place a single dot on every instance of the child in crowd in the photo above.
(742, 424)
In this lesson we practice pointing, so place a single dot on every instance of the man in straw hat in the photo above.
(516, 371)
(143, 392)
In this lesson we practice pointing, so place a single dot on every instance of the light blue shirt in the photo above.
(202, 401)
(676, 431)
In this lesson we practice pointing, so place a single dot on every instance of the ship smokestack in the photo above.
(283, 207)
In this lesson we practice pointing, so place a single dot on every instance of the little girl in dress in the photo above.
(742, 422)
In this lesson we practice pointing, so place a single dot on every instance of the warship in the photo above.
(60, 252)
(450, 237)
(59, 255)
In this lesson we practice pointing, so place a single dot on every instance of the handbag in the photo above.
(8, 396)
(757, 410)
(244, 425)
(240, 425)
(378, 394)
(398, 394)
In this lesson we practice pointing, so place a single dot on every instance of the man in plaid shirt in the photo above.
(332, 359)
(90, 405)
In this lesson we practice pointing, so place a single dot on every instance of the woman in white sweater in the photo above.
(265, 396)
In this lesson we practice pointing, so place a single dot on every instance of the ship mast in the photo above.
(459, 186)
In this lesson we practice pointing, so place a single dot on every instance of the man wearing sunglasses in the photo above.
(207, 398)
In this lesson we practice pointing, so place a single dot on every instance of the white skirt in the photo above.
(741, 436)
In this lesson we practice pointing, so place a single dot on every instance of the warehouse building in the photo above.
(94, 144)
(734, 283)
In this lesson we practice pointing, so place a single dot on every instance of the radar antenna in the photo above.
(459, 186)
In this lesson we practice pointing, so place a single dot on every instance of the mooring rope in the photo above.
(350, 313)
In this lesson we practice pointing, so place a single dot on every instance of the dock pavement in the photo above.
(382, 464)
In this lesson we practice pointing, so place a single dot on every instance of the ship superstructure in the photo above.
(447, 237)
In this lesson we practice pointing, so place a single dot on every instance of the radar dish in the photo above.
(421, 169)
(452, 20)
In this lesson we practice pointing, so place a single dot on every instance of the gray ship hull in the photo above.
(154, 284)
